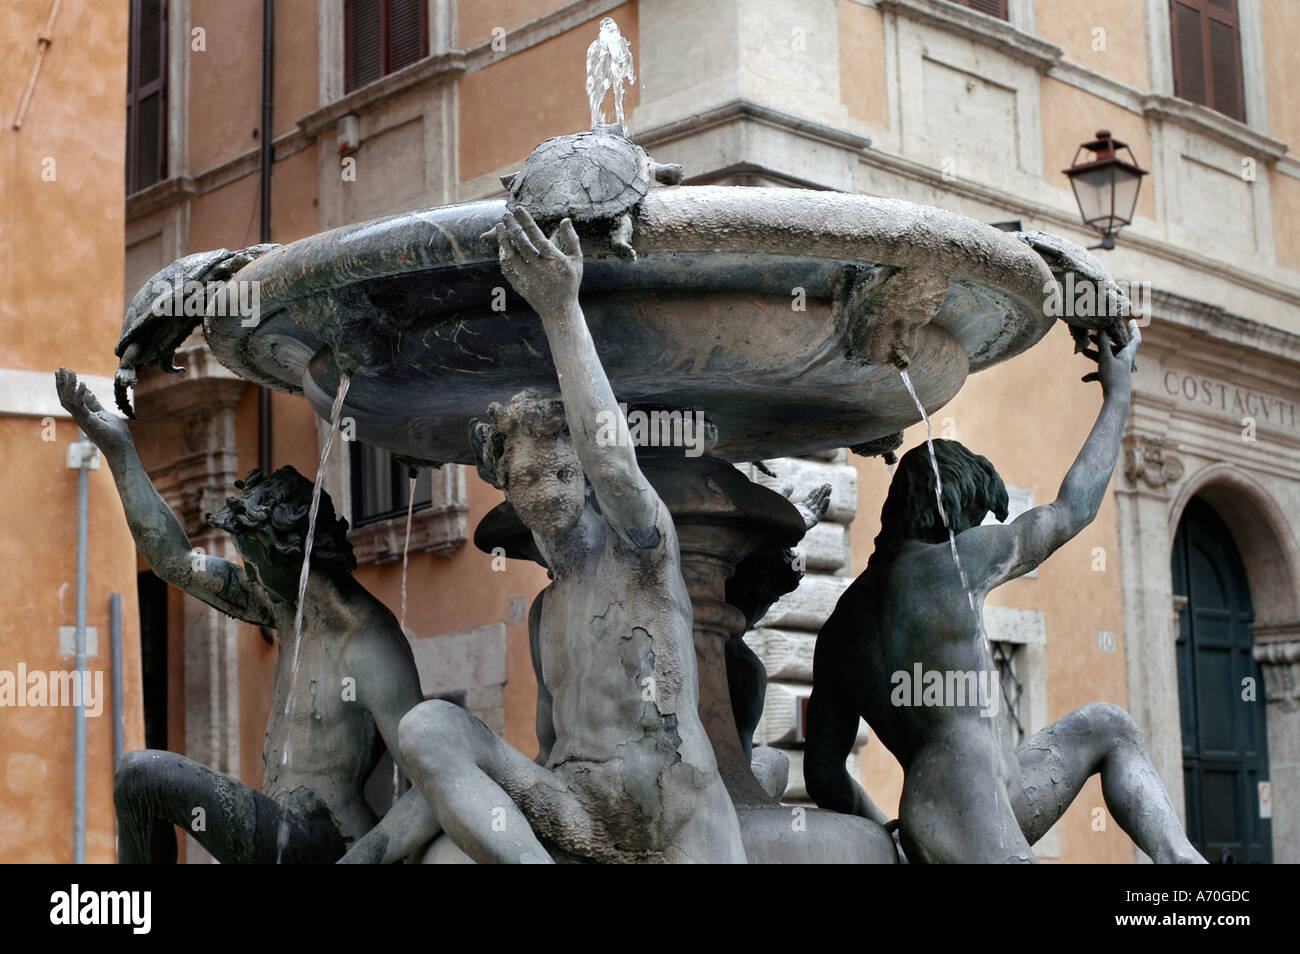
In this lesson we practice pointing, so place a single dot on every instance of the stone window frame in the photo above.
(441, 19)
(176, 74)
(1013, 36)
(1026, 631)
(1254, 81)
(937, 31)
(441, 527)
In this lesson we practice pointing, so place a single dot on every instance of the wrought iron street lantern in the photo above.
(1105, 185)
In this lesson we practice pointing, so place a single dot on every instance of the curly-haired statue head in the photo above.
(971, 488)
(268, 519)
(524, 448)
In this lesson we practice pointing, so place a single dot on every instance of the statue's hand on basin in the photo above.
(546, 272)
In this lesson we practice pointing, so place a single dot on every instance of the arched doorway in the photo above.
(1221, 694)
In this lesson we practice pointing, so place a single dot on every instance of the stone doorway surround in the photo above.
(1209, 381)
(186, 438)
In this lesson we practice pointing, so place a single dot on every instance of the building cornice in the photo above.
(25, 393)
(454, 63)
(962, 21)
(159, 196)
(1097, 84)
(1268, 286)
(1288, 165)
(168, 192)
(1287, 631)
(443, 66)
(742, 110)
(205, 386)
(1279, 663)
(441, 530)
(538, 31)
(1227, 327)
(1206, 122)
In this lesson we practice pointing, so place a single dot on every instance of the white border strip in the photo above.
(32, 394)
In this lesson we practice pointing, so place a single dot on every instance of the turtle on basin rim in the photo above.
(594, 176)
(155, 323)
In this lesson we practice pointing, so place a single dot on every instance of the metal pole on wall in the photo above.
(119, 729)
(79, 756)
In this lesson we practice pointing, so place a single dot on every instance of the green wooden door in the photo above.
(1225, 740)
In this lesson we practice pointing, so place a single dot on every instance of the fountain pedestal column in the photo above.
(721, 517)
(706, 569)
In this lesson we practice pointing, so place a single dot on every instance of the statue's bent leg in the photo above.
(831, 729)
(1100, 738)
(144, 827)
(484, 792)
(747, 686)
(955, 807)
(154, 790)
(407, 828)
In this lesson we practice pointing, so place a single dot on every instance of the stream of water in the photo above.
(335, 414)
(938, 493)
(406, 554)
(406, 546)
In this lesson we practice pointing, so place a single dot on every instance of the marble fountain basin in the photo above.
(774, 311)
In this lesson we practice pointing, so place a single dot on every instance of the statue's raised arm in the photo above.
(548, 273)
(994, 554)
(158, 534)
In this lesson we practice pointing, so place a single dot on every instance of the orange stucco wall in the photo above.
(863, 85)
(225, 83)
(38, 596)
(496, 130)
(1107, 36)
(1286, 226)
(1281, 22)
(60, 303)
(476, 21)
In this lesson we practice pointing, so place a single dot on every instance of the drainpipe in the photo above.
(267, 158)
(82, 457)
(266, 154)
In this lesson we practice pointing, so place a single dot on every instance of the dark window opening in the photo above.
(1005, 659)
(146, 95)
(152, 594)
(381, 487)
(994, 8)
(382, 37)
(1206, 43)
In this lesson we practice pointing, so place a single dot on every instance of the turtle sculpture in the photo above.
(1112, 306)
(595, 178)
(167, 308)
